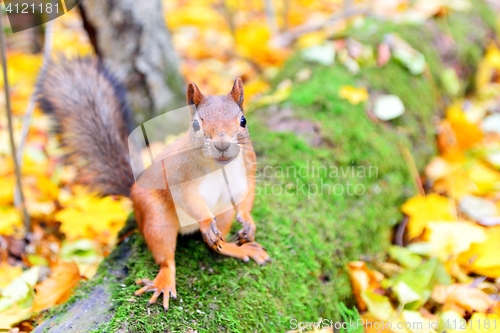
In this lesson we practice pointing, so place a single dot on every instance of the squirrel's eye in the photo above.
(196, 125)
(243, 122)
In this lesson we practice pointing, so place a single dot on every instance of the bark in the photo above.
(132, 39)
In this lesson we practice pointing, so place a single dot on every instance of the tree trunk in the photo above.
(132, 39)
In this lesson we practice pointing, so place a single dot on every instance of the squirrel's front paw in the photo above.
(164, 283)
(247, 233)
(211, 235)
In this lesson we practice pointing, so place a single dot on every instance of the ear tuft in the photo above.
(236, 93)
(193, 95)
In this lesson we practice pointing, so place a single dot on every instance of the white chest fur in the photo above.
(221, 190)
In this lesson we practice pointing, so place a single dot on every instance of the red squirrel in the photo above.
(93, 121)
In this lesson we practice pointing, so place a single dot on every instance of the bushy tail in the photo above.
(92, 119)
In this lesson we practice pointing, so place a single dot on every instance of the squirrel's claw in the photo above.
(162, 284)
(256, 252)
(211, 235)
(246, 234)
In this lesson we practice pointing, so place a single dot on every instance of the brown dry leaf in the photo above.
(363, 278)
(57, 288)
(462, 298)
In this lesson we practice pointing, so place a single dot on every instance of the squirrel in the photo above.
(93, 121)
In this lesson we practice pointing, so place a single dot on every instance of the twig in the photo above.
(289, 37)
(410, 162)
(271, 16)
(47, 50)
(17, 169)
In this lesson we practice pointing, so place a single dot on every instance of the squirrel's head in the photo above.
(217, 122)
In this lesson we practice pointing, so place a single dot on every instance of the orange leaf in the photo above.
(363, 279)
(57, 288)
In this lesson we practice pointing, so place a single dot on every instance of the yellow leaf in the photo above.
(252, 42)
(487, 67)
(484, 258)
(424, 209)
(485, 178)
(450, 239)
(6, 190)
(10, 221)
(282, 92)
(255, 87)
(48, 189)
(484, 323)
(12, 316)
(89, 216)
(311, 39)
(353, 95)
(456, 183)
(57, 288)
(8, 273)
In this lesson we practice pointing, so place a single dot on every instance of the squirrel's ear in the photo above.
(237, 93)
(193, 95)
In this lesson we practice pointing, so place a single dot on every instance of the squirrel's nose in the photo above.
(222, 146)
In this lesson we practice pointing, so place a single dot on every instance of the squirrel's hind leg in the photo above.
(158, 223)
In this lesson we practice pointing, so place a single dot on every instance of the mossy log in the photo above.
(311, 222)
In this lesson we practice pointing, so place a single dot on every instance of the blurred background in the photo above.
(408, 86)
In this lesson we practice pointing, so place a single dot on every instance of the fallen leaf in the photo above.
(388, 107)
(89, 216)
(10, 221)
(353, 95)
(450, 81)
(417, 323)
(424, 209)
(20, 290)
(485, 178)
(12, 316)
(449, 239)
(57, 288)
(484, 258)
(406, 258)
(462, 298)
(321, 54)
(479, 209)
(437, 168)
(413, 60)
(362, 279)
(8, 273)
(418, 281)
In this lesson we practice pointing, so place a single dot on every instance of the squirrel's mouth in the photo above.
(223, 159)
